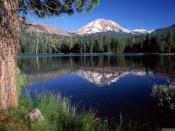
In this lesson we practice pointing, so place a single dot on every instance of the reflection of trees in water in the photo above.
(161, 65)
(30, 65)
(165, 96)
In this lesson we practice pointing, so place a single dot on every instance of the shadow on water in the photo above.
(110, 84)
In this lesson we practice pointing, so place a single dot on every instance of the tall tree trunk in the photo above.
(9, 40)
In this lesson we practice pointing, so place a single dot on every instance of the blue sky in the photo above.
(131, 14)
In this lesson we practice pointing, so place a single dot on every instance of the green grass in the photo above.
(165, 95)
(20, 80)
(59, 115)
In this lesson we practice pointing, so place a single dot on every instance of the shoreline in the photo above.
(89, 54)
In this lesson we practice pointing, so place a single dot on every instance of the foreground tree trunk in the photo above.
(9, 39)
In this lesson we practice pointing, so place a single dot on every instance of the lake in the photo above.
(108, 84)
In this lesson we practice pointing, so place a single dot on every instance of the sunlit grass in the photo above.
(59, 115)
(165, 95)
(20, 80)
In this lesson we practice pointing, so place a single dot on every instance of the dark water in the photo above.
(110, 85)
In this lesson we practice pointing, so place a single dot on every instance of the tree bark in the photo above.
(9, 40)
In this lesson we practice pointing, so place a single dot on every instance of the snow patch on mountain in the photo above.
(141, 31)
(101, 25)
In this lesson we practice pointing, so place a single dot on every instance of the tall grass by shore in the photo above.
(164, 95)
(59, 115)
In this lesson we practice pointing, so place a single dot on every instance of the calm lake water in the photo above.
(108, 84)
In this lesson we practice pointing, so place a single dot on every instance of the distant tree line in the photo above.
(152, 44)
(35, 42)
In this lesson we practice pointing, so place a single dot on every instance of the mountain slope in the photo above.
(101, 25)
(141, 31)
(164, 31)
(109, 28)
(45, 29)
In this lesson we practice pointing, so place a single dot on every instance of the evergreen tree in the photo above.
(170, 41)
(9, 35)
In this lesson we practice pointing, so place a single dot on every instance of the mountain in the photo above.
(98, 26)
(110, 28)
(45, 29)
(141, 31)
(101, 25)
(164, 31)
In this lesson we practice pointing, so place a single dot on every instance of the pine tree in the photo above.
(170, 41)
(9, 35)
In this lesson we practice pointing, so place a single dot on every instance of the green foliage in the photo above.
(44, 8)
(59, 115)
(35, 43)
(20, 80)
(32, 42)
(165, 95)
(170, 41)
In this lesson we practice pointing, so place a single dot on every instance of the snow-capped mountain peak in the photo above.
(101, 25)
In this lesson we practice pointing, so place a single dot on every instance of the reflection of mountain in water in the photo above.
(103, 70)
(106, 76)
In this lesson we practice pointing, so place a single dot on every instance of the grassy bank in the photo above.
(165, 95)
(59, 115)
